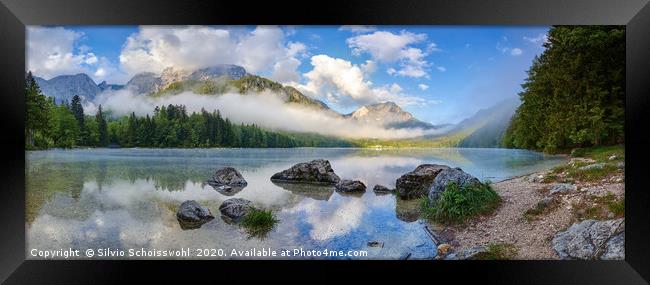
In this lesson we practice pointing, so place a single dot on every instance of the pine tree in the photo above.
(103, 127)
(78, 112)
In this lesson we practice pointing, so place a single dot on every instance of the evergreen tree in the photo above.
(78, 112)
(574, 95)
(102, 127)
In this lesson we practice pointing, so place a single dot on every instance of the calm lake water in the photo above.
(127, 198)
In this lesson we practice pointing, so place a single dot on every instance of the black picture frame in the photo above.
(635, 14)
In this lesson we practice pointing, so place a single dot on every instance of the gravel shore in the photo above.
(532, 238)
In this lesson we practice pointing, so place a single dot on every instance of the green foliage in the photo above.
(617, 207)
(498, 251)
(38, 119)
(259, 223)
(599, 207)
(456, 204)
(603, 153)
(574, 95)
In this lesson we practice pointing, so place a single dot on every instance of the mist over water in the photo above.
(265, 109)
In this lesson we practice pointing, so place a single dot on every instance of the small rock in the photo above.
(613, 157)
(619, 179)
(375, 244)
(227, 176)
(347, 186)
(381, 189)
(444, 249)
(620, 165)
(235, 208)
(592, 166)
(192, 215)
(468, 254)
(563, 188)
(545, 202)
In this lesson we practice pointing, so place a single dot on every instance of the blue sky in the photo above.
(441, 74)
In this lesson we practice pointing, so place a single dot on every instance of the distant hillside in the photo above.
(490, 125)
(387, 114)
(64, 87)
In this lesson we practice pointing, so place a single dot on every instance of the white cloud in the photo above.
(441, 68)
(539, 39)
(51, 52)
(342, 83)
(509, 50)
(423, 87)
(516, 51)
(263, 49)
(387, 47)
(358, 28)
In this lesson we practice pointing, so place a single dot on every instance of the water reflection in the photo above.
(128, 198)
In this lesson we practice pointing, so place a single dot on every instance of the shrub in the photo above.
(456, 205)
(259, 222)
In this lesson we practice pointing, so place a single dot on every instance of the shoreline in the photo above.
(531, 237)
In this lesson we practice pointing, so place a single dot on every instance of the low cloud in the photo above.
(264, 109)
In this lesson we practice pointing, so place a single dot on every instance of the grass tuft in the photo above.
(539, 209)
(456, 205)
(258, 223)
(498, 251)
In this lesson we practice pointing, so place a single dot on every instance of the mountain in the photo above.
(487, 126)
(147, 82)
(64, 87)
(388, 114)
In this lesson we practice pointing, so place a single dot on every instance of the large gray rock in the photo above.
(227, 176)
(562, 188)
(449, 175)
(417, 182)
(347, 186)
(318, 171)
(235, 208)
(591, 239)
(192, 215)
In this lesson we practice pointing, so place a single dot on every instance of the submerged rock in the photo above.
(192, 215)
(417, 182)
(381, 189)
(562, 188)
(449, 175)
(591, 239)
(375, 244)
(227, 190)
(227, 176)
(317, 192)
(407, 210)
(347, 186)
(235, 208)
(317, 171)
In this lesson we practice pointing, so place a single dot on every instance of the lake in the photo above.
(123, 199)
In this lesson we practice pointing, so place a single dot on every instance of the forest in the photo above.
(65, 125)
(574, 95)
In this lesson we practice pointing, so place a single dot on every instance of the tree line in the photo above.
(65, 125)
(574, 95)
